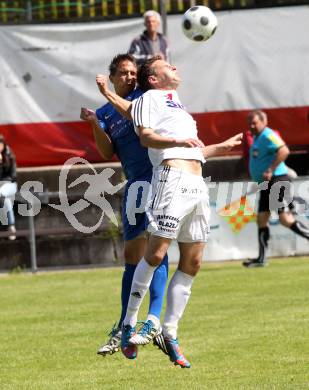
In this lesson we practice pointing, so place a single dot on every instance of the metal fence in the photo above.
(43, 11)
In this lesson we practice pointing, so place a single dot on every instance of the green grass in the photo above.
(242, 329)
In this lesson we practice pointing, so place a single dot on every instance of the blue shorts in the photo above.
(134, 219)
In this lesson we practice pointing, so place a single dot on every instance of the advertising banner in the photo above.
(233, 228)
(256, 59)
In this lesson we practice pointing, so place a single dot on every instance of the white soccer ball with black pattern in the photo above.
(199, 23)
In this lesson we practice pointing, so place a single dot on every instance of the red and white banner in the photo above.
(257, 59)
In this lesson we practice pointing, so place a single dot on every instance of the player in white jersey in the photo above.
(179, 205)
(177, 191)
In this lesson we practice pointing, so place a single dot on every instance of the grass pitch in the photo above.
(243, 329)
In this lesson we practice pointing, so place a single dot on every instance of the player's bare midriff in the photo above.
(190, 166)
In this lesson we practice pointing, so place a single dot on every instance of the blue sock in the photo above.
(127, 278)
(157, 288)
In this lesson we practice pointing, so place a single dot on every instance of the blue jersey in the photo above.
(263, 152)
(133, 156)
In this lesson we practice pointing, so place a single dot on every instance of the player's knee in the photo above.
(192, 266)
(286, 219)
(131, 256)
(155, 259)
(195, 264)
(285, 223)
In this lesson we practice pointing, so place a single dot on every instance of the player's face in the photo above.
(256, 125)
(152, 24)
(165, 75)
(124, 79)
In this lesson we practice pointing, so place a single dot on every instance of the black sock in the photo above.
(263, 244)
(301, 229)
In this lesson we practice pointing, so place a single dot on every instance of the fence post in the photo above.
(29, 10)
(163, 16)
(32, 242)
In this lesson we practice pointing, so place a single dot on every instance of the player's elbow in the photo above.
(144, 141)
(284, 151)
(106, 151)
(106, 156)
(127, 114)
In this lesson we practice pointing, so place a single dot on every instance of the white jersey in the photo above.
(163, 112)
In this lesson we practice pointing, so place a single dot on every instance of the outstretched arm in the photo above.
(150, 139)
(223, 147)
(102, 140)
(121, 105)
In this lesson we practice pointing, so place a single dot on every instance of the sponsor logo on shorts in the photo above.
(170, 217)
(191, 191)
(167, 223)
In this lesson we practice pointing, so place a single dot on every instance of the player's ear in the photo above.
(152, 80)
(111, 79)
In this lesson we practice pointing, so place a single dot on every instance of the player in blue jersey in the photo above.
(267, 164)
(115, 134)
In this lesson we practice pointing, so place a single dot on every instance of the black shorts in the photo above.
(277, 197)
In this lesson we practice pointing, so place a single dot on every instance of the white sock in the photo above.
(178, 294)
(141, 281)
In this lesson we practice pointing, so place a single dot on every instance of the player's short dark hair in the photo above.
(259, 113)
(144, 71)
(117, 60)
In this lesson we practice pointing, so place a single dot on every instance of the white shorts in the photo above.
(179, 206)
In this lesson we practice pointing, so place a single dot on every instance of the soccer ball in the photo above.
(199, 23)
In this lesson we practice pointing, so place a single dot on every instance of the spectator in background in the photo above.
(151, 42)
(267, 164)
(8, 186)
